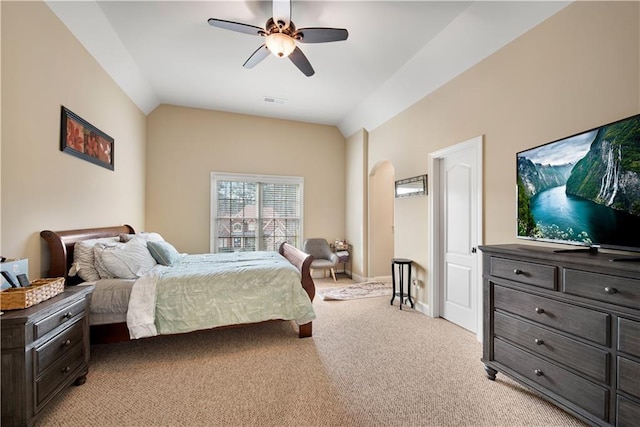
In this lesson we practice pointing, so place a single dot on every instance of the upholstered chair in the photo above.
(323, 257)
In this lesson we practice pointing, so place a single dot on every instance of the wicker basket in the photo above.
(39, 290)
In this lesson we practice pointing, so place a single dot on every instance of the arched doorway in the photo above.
(381, 199)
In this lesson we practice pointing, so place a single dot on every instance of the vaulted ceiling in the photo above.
(397, 53)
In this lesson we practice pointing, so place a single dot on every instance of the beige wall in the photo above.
(44, 67)
(381, 215)
(185, 145)
(357, 201)
(577, 70)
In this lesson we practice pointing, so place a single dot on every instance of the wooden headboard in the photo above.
(61, 245)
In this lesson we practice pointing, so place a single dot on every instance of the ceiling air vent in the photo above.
(272, 100)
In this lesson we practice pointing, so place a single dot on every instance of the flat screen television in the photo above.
(583, 189)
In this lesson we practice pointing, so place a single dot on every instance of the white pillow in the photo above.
(83, 258)
(127, 261)
(98, 249)
(147, 236)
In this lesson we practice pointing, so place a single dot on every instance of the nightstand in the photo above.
(343, 250)
(44, 349)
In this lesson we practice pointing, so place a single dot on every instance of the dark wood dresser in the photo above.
(44, 349)
(566, 325)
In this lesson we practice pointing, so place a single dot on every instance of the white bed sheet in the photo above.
(109, 300)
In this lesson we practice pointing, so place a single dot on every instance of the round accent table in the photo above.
(399, 264)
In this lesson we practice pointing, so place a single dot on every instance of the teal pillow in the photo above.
(163, 252)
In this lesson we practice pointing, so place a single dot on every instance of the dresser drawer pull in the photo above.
(517, 271)
(66, 370)
(66, 343)
(610, 291)
(67, 315)
(538, 341)
(538, 372)
(539, 310)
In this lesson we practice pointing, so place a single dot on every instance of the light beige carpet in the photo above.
(368, 364)
(355, 291)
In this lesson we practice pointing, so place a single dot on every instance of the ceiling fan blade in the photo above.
(301, 61)
(236, 26)
(282, 13)
(257, 56)
(320, 35)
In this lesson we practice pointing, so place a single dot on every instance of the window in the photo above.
(255, 212)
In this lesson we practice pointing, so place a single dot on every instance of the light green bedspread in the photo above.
(208, 290)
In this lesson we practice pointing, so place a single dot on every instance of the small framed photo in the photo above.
(81, 139)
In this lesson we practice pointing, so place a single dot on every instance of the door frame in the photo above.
(436, 246)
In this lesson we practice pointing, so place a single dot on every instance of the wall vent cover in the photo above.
(273, 100)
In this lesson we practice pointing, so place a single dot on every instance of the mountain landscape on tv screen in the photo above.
(583, 189)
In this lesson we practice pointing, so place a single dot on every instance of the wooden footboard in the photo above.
(302, 261)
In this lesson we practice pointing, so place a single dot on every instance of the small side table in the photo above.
(399, 264)
(343, 251)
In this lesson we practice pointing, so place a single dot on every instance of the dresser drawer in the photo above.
(42, 327)
(628, 413)
(591, 397)
(583, 322)
(56, 347)
(540, 341)
(59, 373)
(629, 376)
(601, 287)
(629, 336)
(540, 275)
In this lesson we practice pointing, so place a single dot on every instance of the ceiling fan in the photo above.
(281, 36)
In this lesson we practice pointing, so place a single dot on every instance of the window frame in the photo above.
(250, 178)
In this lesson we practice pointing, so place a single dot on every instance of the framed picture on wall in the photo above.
(81, 139)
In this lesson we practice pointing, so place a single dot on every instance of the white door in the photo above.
(457, 222)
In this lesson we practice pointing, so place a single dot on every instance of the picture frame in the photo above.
(410, 187)
(85, 141)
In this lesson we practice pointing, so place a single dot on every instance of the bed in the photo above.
(209, 284)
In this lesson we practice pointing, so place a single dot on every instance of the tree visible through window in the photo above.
(251, 212)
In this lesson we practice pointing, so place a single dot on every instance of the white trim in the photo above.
(435, 245)
(247, 177)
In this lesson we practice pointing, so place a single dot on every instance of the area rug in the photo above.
(358, 290)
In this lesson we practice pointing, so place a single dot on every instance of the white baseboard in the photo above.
(422, 307)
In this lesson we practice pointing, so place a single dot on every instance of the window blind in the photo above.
(251, 213)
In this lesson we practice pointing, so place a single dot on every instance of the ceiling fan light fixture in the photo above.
(281, 45)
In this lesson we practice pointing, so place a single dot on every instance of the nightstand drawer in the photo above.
(629, 376)
(629, 336)
(58, 346)
(590, 324)
(552, 377)
(530, 273)
(601, 287)
(59, 373)
(540, 341)
(48, 324)
(628, 413)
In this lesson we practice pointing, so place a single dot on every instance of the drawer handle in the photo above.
(517, 271)
(538, 372)
(66, 370)
(67, 315)
(66, 343)
(539, 310)
(538, 341)
(610, 291)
